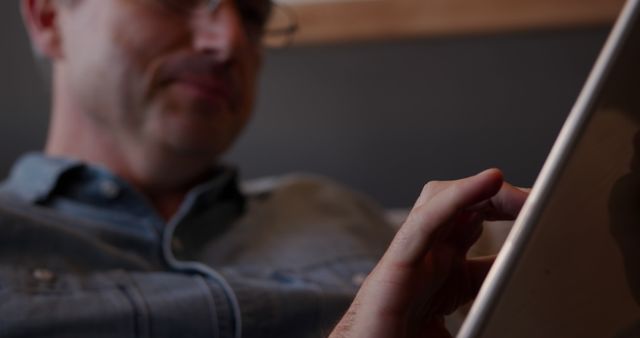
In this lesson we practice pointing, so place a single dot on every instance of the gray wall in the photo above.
(23, 104)
(381, 117)
(387, 117)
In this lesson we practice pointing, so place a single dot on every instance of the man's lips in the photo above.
(208, 87)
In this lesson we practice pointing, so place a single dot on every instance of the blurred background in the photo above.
(381, 100)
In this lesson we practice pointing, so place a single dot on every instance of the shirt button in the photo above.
(109, 189)
(177, 245)
(43, 275)
(358, 279)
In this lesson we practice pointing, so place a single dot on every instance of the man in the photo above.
(128, 226)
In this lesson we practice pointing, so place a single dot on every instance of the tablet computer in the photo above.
(571, 265)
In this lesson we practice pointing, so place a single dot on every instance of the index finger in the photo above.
(415, 238)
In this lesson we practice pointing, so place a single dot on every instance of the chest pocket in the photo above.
(41, 302)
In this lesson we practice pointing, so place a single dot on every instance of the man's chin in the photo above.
(193, 128)
(192, 146)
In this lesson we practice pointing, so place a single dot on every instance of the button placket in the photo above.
(177, 245)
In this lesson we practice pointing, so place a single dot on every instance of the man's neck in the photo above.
(163, 181)
(163, 178)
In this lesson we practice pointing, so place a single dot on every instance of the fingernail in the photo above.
(486, 171)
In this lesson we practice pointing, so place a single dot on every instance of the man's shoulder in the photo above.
(305, 188)
(38, 234)
(306, 225)
(296, 181)
(316, 208)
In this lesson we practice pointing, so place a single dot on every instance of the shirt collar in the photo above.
(34, 176)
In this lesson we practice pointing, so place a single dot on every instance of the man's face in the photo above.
(163, 75)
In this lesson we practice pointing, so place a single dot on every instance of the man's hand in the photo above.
(425, 274)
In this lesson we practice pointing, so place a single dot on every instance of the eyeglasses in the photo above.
(265, 21)
(281, 27)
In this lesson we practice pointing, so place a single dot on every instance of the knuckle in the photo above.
(431, 187)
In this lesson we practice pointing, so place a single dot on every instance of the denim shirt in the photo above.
(82, 254)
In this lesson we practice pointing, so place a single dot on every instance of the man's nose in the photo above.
(218, 31)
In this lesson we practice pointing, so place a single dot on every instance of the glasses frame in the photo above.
(285, 32)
